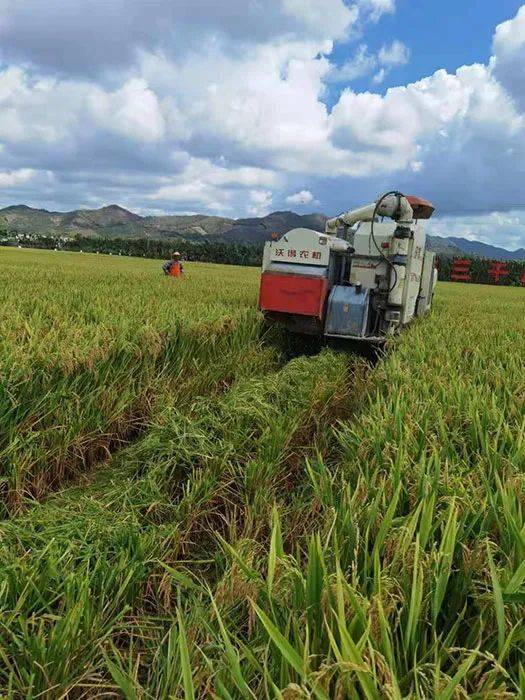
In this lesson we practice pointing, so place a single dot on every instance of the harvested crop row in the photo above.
(85, 564)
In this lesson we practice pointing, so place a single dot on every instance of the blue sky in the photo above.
(439, 34)
(248, 106)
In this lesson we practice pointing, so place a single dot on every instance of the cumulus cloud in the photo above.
(16, 177)
(86, 36)
(132, 111)
(377, 8)
(260, 202)
(216, 187)
(332, 18)
(394, 54)
(264, 107)
(408, 122)
(508, 60)
(302, 197)
(226, 110)
(363, 63)
(379, 77)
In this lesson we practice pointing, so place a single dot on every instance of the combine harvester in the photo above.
(363, 284)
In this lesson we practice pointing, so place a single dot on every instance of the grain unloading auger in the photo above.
(363, 284)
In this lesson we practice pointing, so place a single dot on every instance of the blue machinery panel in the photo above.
(347, 313)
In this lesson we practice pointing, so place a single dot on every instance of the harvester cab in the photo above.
(362, 279)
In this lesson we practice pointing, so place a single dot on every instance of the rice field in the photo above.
(193, 509)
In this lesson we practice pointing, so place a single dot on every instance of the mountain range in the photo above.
(114, 221)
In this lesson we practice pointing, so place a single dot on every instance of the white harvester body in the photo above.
(364, 285)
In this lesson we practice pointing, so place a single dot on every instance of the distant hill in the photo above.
(106, 217)
(114, 221)
(80, 221)
(442, 246)
(196, 224)
(260, 229)
(25, 218)
(484, 250)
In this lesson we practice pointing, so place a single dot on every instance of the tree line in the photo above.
(202, 251)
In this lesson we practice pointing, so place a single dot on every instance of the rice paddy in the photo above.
(191, 511)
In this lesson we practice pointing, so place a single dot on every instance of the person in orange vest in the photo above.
(173, 267)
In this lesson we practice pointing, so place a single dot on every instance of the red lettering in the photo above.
(460, 270)
(497, 270)
(303, 254)
(292, 253)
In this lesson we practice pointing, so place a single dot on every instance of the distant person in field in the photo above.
(173, 267)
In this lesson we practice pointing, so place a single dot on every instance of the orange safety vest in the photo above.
(175, 270)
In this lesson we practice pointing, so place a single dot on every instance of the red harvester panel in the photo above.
(293, 294)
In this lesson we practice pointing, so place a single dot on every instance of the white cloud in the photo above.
(16, 177)
(379, 77)
(86, 37)
(394, 54)
(261, 202)
(36, 109)
(509, 36)
(361, 64)
(302, 197)
(399, 124)
(508, 62)
(377, 8)
(132, 111)
(203, 183)
(264, 105)
(330, 18)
